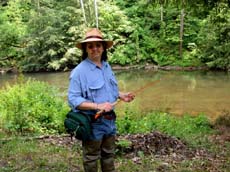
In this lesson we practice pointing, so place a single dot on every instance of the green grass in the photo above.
(34, 108)
(191, 129)
(37, 156)
(27, 156)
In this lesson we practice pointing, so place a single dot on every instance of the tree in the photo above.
(12, 29)
(214, 43)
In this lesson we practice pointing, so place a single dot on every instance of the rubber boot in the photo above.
(91, 153)
(107, 154)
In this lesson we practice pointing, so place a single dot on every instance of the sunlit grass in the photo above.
(18, 155)
(189, 128)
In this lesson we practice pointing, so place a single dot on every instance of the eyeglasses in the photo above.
(91, 46)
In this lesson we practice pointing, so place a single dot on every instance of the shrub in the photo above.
(31, 107)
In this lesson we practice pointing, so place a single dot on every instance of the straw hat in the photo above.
(94, 35)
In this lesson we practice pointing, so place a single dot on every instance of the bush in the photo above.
(31, 107)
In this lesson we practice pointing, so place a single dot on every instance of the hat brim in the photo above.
(109, 44)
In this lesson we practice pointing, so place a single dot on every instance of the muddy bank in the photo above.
(156, 67)
(128, 67)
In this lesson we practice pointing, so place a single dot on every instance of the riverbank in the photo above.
(156, 67)
(152, 151)
(156, 141)
(128, 67)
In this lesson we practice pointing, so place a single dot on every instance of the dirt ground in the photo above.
(168, 149)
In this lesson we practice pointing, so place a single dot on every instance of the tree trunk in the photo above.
(38, 7)
(83, 11)
(96, 12)
(162, 13)
(181, 33)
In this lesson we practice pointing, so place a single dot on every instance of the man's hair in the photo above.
(104, 56)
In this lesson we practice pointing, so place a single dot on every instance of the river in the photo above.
(177, 92)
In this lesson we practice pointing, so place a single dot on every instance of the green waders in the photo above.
(95, 150)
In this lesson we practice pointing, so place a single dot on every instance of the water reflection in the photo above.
(176, 92)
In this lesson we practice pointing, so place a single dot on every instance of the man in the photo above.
(93, 90)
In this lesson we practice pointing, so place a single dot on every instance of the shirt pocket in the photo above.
(96, 91)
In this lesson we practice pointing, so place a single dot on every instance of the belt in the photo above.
(109, 115)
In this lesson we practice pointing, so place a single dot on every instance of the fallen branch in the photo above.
(42, 137)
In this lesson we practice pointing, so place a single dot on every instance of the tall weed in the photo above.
(31, 107)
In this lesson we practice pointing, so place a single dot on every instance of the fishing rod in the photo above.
(99, 113)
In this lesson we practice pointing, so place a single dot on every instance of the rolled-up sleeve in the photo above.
(75, 97)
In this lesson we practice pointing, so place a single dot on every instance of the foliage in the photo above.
(186, 127)
(41, 36)
(214, 45)
(12, 29)
(31, 107)
(50, 38)
(117, 19)
(158, 40)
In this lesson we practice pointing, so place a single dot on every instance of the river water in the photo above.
(177, 92)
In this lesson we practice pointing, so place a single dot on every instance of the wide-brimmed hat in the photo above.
(93, 35)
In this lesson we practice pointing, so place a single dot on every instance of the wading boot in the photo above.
(107, 154)
(91, 153)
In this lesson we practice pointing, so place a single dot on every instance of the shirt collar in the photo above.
(93, 66)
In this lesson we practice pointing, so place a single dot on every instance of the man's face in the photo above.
(94, 49)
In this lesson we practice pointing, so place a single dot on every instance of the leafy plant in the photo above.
(31, 107)
(214, 44)
(12, 29)
(186, 127)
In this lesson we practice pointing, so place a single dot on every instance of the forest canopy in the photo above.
(40, 35)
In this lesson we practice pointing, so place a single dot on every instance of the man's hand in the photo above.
(126, 97)
(105, 107)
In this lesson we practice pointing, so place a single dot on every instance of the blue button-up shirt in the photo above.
(88, 82)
